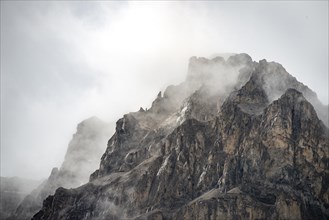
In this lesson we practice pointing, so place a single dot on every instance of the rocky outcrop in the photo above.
(212, 149)
(81, 159)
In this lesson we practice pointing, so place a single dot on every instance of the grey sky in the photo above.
(62, 62)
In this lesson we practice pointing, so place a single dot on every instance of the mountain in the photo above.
(238, 139)
(82, 158)
(12, 192)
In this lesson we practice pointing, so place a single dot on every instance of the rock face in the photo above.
(237, 140)
(81, 159)
(12, 192)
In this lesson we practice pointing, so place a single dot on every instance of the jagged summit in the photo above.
(237, 139)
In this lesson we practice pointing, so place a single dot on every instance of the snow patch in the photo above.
(163, 166)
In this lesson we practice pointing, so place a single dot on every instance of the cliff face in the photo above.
(231, 142)
(82, 158)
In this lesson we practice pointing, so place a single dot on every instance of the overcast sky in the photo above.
(62, 62)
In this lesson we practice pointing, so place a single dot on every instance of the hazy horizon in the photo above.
(63, 62)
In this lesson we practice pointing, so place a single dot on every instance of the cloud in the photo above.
(62, 62)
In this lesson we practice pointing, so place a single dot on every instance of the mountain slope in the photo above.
(231, 142)
(82, 157)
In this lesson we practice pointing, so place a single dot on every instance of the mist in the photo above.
(63, 62)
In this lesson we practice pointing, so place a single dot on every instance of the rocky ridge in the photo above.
(237, 140)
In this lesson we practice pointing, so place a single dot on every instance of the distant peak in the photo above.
(293, 92)
(292, 95)
(203, 69)
(239, 59)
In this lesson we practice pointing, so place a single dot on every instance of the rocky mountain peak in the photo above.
(292, 95)
(204, 71)
(239, 60)
(238, 139)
